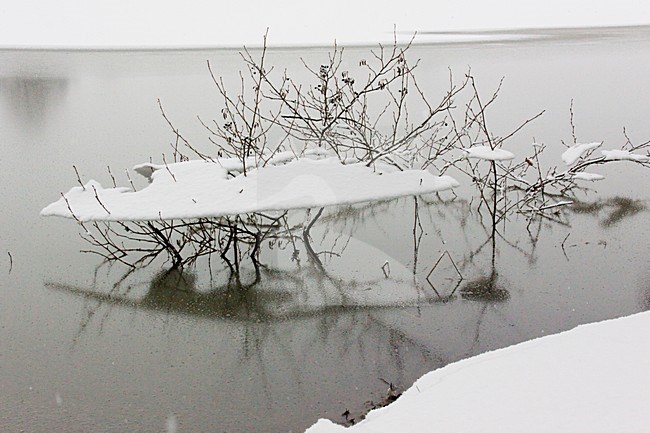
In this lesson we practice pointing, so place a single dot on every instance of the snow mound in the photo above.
(198, 189)
(593, 378)
(624, 155)
(485, 152)
(575, 152)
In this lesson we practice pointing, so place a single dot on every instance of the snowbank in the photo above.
(593, 378)
(196, 189)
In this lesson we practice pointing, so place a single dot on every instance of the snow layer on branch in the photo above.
(485, 152)
(593, 378)
(230, 164)
(195, 189)
(624, 155)
(575, 152)
(588, 176)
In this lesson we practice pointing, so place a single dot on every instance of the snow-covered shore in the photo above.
(593, 378)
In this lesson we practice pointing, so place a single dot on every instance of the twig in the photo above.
(573, 126)
(167, 167)
(67, 203)
(99, 201)
(563, 242)
(79, 178)
(438, 261)
(112, 177)
(128, 175)
(386, 268)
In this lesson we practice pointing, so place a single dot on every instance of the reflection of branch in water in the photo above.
(529, 255)
(477, 333)
(272, 297)
(458, 210)
(278, 300)
(259, 308)
(444, 298)
(476, 341)
(348, 218)
(450, 296)
(645, 295)
(492, 233)
(305, 236)
(399, 342)
(417, 238)
(618, 209)
(92, 306)
(485, 287)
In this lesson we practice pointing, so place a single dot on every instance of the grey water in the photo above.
(83, 350)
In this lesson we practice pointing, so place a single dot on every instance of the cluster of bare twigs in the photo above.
(357, 116)
(362, 115)
(182, 242)
(359, 113)
(547, 190)
(521, 185)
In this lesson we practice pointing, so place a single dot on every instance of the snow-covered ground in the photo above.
(593, 378)
(149, 23)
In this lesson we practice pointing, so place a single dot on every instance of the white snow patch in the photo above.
(575, 152)
(196, 189)
(624, 155)
(593, 378)
(588, 176)
(485, 152)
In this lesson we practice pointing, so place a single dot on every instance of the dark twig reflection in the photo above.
(616, 208)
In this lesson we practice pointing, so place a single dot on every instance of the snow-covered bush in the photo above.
(344, 136)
